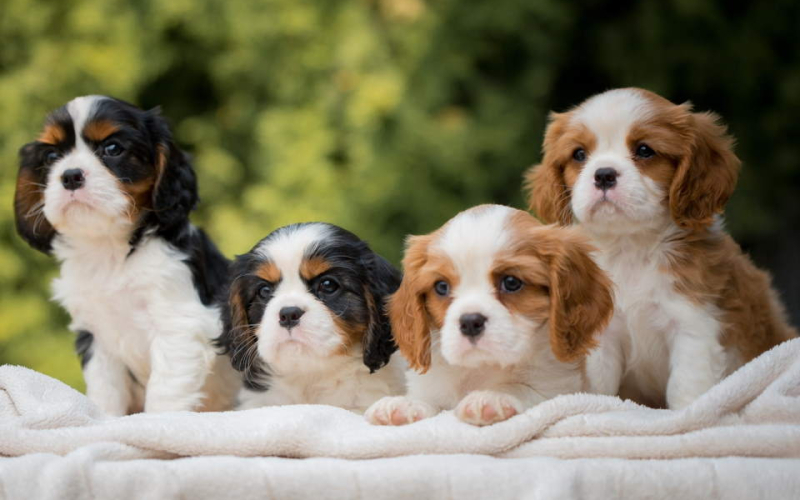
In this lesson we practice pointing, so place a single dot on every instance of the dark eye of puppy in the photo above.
(51, 157)
(327, 286)
(510, 284)
(579, 155)
(644, 151)
(442, 288)
(112, 148)
(264, 291)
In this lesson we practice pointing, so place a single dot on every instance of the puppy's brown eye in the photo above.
(644, 151)
(579, 155)
(113, 148)
(510, 284)
(442, 288)
(328, 286)
(264, 291)
(51, 157)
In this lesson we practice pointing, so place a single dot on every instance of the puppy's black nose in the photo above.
(290, 316)
(605, 178)
(472, 325)
(72, 179)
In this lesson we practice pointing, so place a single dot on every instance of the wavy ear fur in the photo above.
(410, 320)
(549, 196)
(175, 190)
(705, 178)
(383, 280)
(238, 338)
(581, 301)
(31, 223)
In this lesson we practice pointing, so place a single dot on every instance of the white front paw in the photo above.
(487, 407)
(398, 410)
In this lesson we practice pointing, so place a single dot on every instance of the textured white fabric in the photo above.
(739, 440)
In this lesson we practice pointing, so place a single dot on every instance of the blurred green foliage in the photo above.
(383, 116)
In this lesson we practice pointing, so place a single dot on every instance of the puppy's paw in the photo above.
(398, 410)
(487, 407)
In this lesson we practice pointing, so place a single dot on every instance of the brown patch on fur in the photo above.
(268, 271)
(580, 300)
(140, 197)
(52, 133)
(352, 334)
(311, 268)
(411, 321)
(29, 205)
(550, 182)
(98, 130)
(711, 269)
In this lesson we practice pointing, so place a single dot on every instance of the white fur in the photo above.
(306, 362)
(509, 368)
(151, 348)
(660, 347)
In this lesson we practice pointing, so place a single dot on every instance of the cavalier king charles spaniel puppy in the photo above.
(305, 320)
(648, 180)
(496, 313)
(105, 190)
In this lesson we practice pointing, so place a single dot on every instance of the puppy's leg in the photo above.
(398, 410)
(179, 367)
(108, 382)
(605, 364)
(697, 361)
(502, 403)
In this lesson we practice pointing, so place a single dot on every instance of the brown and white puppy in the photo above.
(496, 313)
(648, 181)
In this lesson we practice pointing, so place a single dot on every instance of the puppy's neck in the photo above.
(112, 246)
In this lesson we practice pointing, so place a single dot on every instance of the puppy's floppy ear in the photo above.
(410, 320)
(581, 301)
(706, 177)
(175, 189)
(31, 223)
(383, 280)
(549, 196)
(238, 338)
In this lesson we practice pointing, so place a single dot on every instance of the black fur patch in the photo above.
(84, 342)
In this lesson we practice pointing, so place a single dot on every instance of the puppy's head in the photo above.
(102, 167)
(305, 294)
(492, 286)
(628, 160)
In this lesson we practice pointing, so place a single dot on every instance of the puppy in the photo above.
(305, 320)
(496, 312)
(648, 181)
(106, 191)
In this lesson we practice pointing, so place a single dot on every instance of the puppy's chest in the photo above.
(644, 295)
(120, 300)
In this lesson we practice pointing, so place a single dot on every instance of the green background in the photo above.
(385, 116)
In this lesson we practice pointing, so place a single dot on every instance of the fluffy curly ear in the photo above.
(238, 338)
(549, 195)
(175, 189)
(706, 177)
(29, 200)
(581, 302)
(410, 320)
(383, 280)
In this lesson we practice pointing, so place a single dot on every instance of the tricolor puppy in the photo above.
(305, 320)
(496, 312)
(648, 181)
(106, 191)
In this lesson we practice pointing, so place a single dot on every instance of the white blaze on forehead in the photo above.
(286, 249)
(610, 115)
(472, 239)
(80, 109)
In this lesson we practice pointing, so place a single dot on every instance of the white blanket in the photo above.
(740, 440)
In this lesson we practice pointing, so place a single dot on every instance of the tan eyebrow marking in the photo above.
(52, 133)
(98, 130)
